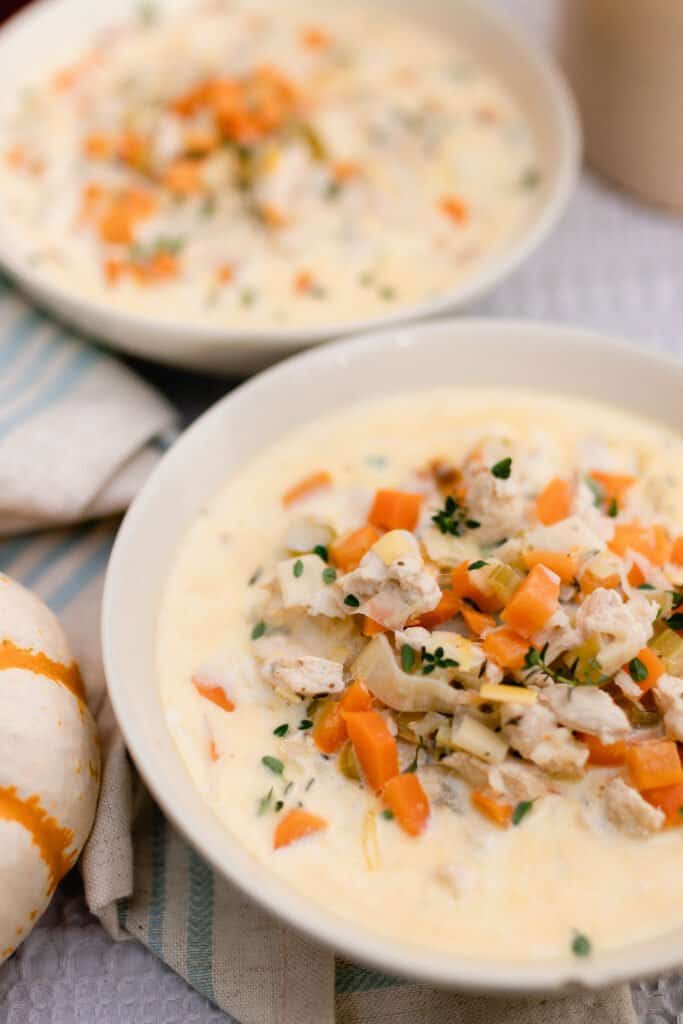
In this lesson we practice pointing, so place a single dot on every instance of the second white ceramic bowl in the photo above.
(462, 353)
(27, 42)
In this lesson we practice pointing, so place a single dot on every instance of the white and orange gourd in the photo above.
(49, 761)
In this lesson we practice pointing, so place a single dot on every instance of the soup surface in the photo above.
(243, 161)
(423, 658)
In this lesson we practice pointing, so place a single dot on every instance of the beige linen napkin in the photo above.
(76, 440)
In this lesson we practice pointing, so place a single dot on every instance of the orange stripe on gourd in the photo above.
(68, 676)
(46, 833)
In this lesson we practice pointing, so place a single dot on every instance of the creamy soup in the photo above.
(244, 161)
(424, 659)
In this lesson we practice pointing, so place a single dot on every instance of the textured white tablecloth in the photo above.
(612, 264)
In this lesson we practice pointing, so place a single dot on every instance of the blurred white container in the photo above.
(624, 59)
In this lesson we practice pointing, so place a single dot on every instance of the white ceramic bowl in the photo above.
(28, 40)
(463, 352)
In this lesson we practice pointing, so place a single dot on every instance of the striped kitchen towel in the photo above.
(78, 434)
(77, 429)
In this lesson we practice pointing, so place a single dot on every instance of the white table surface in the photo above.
(612, 264)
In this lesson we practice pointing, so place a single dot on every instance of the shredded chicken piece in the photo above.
(472, 769)
(627, 810)
(568, 536)
(305, 676)
(511, 778)
(498, 505)
(559, 635)
(534, 732)
(587, 709)
(392, 594)
(669, 697)
(624, 628)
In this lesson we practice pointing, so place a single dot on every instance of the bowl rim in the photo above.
(279, 340)
(228, 857)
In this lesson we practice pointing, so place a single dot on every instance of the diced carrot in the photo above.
(225, 273)
(554, 502)
(356, 697)
(315, 38)
(448, 607)
(591, 581)
(132, 149)
(199, 142)
(374, 746)
(668, 799)
(272, 216)
(612, 485)
(99, 146)
(345, 170)
(113, 271)
(603, 753)
(347, 552)
(183, 177)
(116, 226)
(405, 796)
(653, 542)
(496, 810)
(314, 482)
(563, 565)
(303, 281)
(653, 665)
(395, 510)
(191, 101)
(329, 732)
(295, 825)
(507, 648)
(534, 601)
(654, 764)
(454, 209)
(677, 551)
(464, 587)
(476, 622)
(216, 694)
(372, 628)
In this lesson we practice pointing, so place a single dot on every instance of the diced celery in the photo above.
(347, 763)
(503, 580)
(585, 659)
(470, 735)
(669, 646)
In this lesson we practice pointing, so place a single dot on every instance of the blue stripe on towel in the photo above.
(13, 343)
(200, 926)
(46, 353)
(88, 570)
(11, 550)
(155, 927)
(57, 388)
(55, 554)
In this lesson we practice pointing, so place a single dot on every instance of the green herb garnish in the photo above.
(596, 489)
(581, 945)
(321, 551)
(638, 670)
(273, 764)
(329, 575)
(530, 178)
(305, 723)
(613, 508)
(407, 658)
(247, 297)
(412, 767)
(431, 661)
(387, 293)
(279, 804)
(645, 586)
(388, 814)
(479, 564)
(298, 568)
(521, 810)
(352, 601)
(281, 730)
(502, 469)
(675, 621)
(451, 518)
(258, 630)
